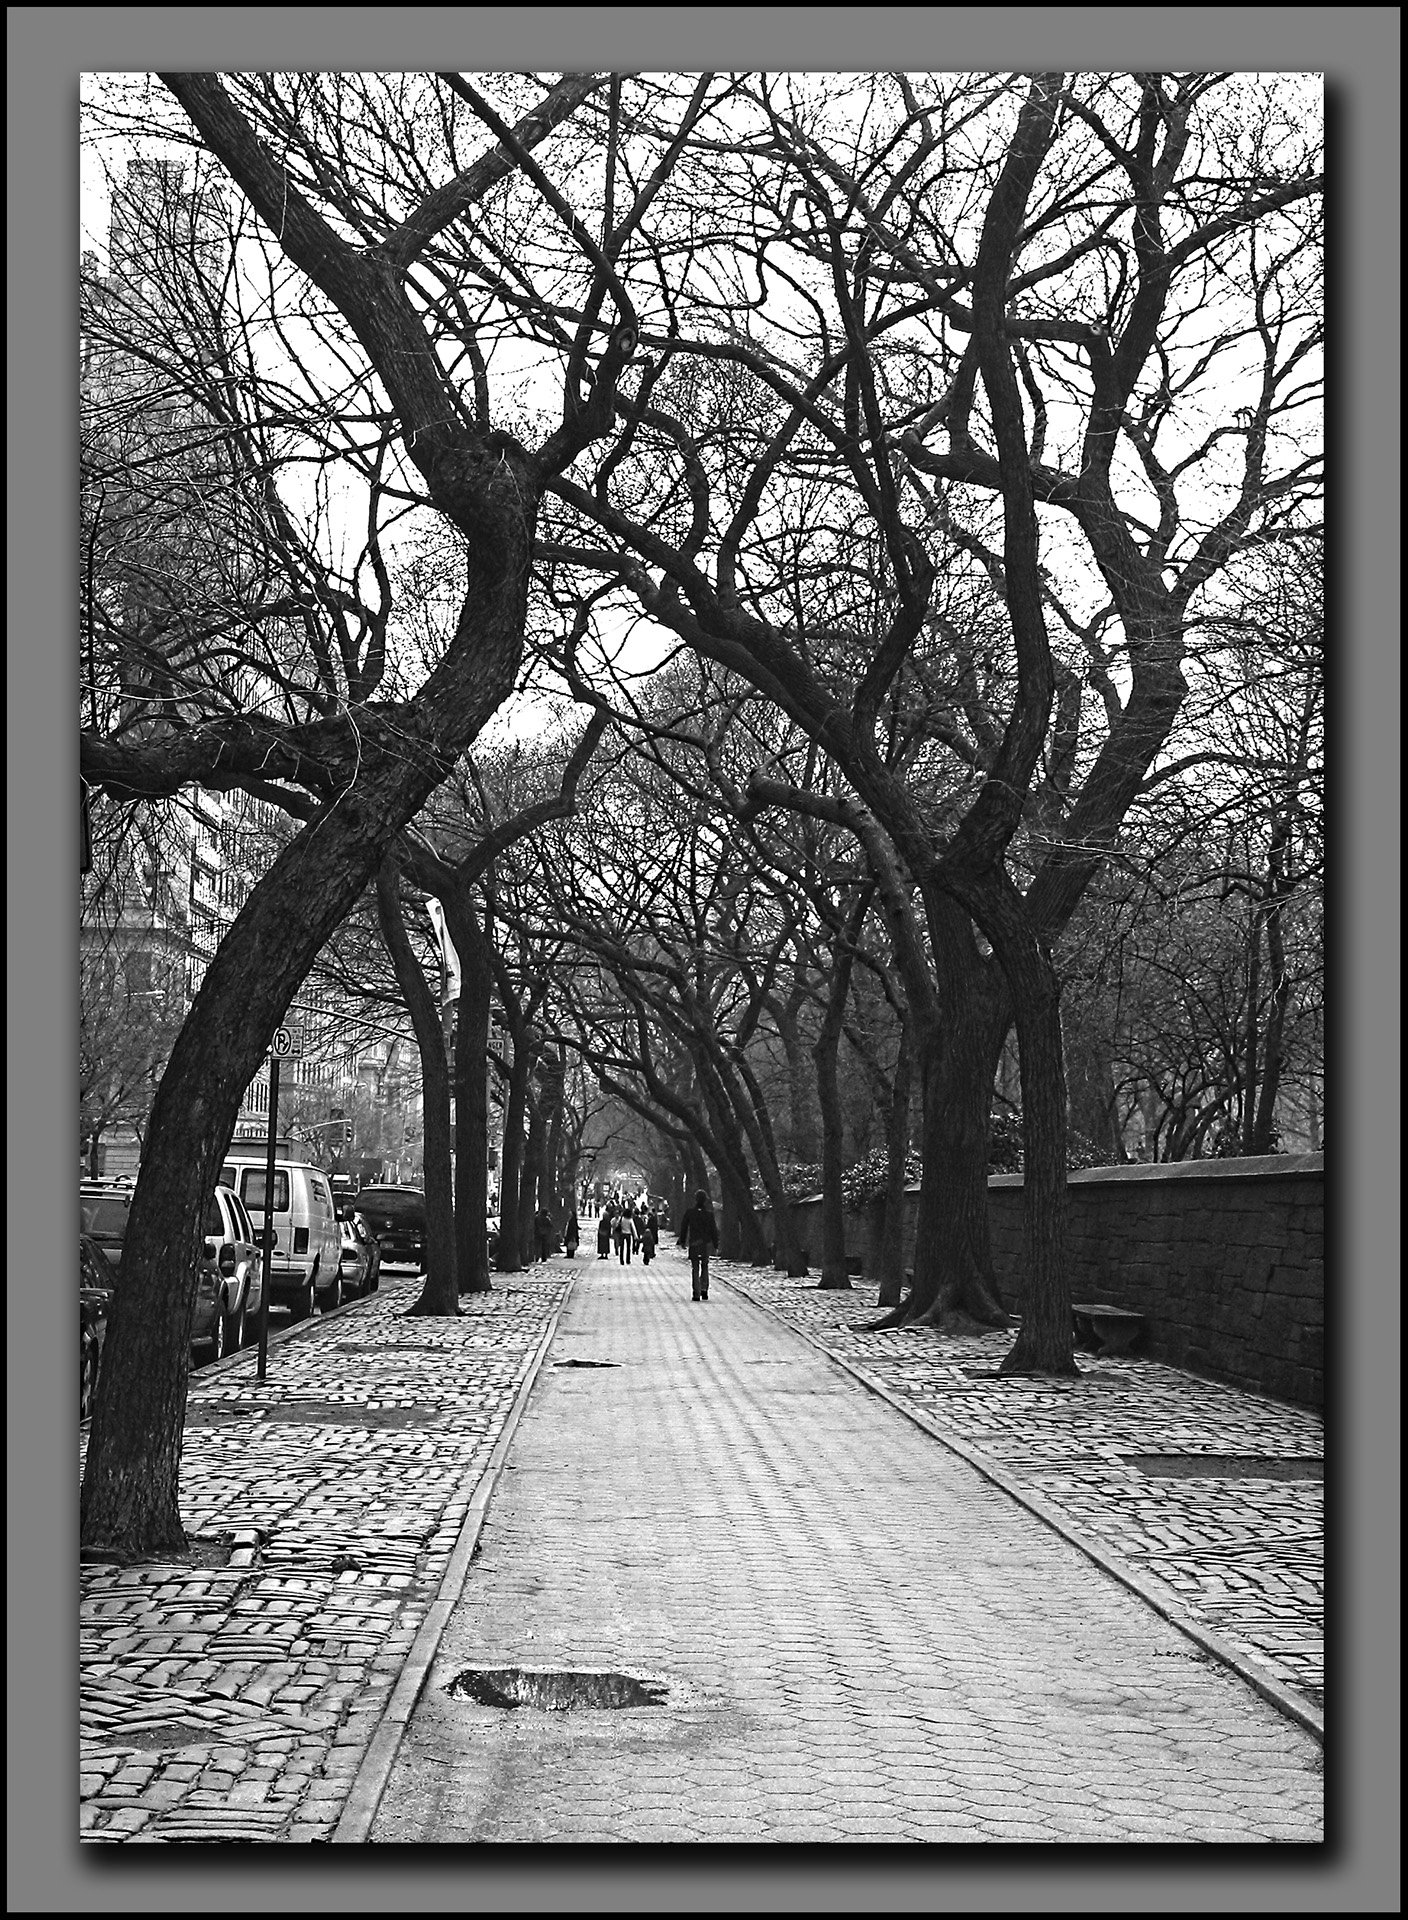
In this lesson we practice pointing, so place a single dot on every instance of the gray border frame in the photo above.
(1359, 49)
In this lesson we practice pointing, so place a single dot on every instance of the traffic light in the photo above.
(347, 1134)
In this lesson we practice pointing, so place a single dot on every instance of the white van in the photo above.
(305, 1268)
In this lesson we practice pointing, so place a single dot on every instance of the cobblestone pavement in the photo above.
(1129, 1457)
(236, 1701)
(859, 1637)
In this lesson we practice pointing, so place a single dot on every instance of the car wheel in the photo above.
(302, 1307)
(332, 1299)
(234, 1329)
(217, 1340)
(87, 1379)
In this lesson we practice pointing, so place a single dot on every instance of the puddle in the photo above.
(311, 1413)
(554, 1689)
(167, 1736)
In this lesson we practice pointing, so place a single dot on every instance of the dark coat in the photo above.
(699, 1228)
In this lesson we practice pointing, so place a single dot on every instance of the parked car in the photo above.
(306, 1259)
(230, 1284)
(103, 1206)
(396, 1217)
(96, 1280)
(361, 1256)
(231, 1281)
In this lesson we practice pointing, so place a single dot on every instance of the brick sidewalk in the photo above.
(858, 1636)
(236, 1702)
(1241, 1550)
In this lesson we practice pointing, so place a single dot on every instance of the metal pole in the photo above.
(268, 1215)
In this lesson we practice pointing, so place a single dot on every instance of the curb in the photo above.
(370, 1780)
(1149, 1589)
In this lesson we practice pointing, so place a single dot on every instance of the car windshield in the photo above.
(105, 1216)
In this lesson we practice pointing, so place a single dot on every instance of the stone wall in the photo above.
(1225, 1258)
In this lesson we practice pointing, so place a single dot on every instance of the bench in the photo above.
(1106, 1329)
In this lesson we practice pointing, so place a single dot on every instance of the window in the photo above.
(253, 1189)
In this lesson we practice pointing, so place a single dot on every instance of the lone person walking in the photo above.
(698, 1232)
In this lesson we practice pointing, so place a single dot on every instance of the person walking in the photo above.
(626, 1225)
(603, 1234)
(571, 1237)
(542, 1229)
(649, 1235)
(698, 1232)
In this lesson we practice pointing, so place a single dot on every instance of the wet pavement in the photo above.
(855, 1630)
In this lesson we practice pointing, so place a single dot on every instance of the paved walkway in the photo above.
(861, 1636)
(1213, 1499)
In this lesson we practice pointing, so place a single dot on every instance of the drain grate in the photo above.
(554, 1689)
(1223, 1466)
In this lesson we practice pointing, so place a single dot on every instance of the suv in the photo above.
(396, 1217)
(305, 1263)
(103, 1206)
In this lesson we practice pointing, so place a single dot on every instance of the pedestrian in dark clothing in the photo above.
(649, 1236)
(603, 1235)
(625, 1235)
(572, 1236)
(542, 1228)
(698, 1232)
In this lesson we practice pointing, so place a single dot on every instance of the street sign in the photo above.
(287, 1043)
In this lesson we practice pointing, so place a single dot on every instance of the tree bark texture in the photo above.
(833, 1159)
(891, 1274)
(440, 1294)
(472, 1027)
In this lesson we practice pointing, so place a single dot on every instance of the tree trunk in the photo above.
(528, 1200)
(799, 1089)
(953, 1278)
(833, 1162)
(1045, 1343)
(891, 1275)
(471, 1093)
(440, 1294)
(510, 1254)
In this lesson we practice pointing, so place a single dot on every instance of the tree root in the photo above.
(895, 1318)
(1022, 1361)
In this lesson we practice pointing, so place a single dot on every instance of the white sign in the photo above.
(287, 1044)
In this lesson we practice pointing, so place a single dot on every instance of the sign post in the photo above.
(286, 1043)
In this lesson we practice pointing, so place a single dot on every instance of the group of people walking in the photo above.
(625, 1227)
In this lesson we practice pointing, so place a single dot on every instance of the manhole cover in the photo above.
(1223, 1466)
(554, 1689)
